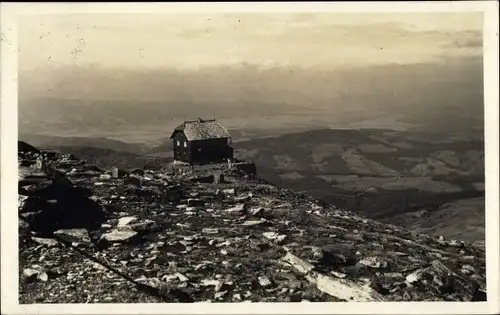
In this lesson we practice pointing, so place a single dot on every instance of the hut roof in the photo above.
(202, 130)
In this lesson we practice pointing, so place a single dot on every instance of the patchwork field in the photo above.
(390, 175)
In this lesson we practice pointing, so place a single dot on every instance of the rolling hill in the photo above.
(403, 177)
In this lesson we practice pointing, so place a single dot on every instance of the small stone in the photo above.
(441, 240)
(468, 269)
(374, 262)
(283, 291)
(237, 297)
(45, 241)
(219, 295)
(42, 276)
(30, 273)
(411, 278)
(186, 243)
(219, 286)
(254, 222)
(206, 282)
(270, 235)
(181, 277)
(257, 211)
(74, 235)
(238, 209)
(225, 243)
(105, 177)
(338, 274)
(168, 278)
(278, 239)
(98, 267)
(210, 231)
(123, 222)
(455, 243)
(394, 275)
(264, 281)
(119, 236)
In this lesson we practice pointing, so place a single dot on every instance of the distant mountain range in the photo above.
(143, 106)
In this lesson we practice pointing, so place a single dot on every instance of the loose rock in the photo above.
(74, 235)
(264, 281)
(119, 236)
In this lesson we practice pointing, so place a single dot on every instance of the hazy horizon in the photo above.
(304, 69)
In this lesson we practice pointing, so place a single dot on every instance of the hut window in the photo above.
(178, 143)
(185, 144)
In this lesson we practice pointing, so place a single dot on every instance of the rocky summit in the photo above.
(216, 233)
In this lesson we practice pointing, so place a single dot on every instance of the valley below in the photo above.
(432, 183)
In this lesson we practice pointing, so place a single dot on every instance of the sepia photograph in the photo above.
(211, 154)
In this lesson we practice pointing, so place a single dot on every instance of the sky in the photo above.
(312, 66)
(190, 41)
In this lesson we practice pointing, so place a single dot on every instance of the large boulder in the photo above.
(25, 147)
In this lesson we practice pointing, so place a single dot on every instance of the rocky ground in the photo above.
(215, 234)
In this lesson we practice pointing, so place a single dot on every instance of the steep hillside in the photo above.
(215, 233)
(384, 174)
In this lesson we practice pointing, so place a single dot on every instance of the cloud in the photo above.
(199, 40)
(473, 41)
